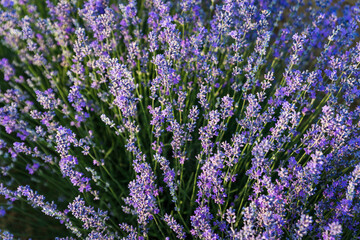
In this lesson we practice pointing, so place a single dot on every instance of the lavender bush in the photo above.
(155, 119)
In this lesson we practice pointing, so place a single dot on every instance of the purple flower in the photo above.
(332, 231)
(32, 168)
(5, 235)
(303, 226)
(177, 228)
(200, 222)
(211, 179)
(7, 68)
(169, 176)
(47, 99)
(91, 219)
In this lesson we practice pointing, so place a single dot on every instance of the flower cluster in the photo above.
(160, 119)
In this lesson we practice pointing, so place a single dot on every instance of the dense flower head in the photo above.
(160, 119)
(177, 228)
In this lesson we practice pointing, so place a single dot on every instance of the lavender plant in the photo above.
(156, 119)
